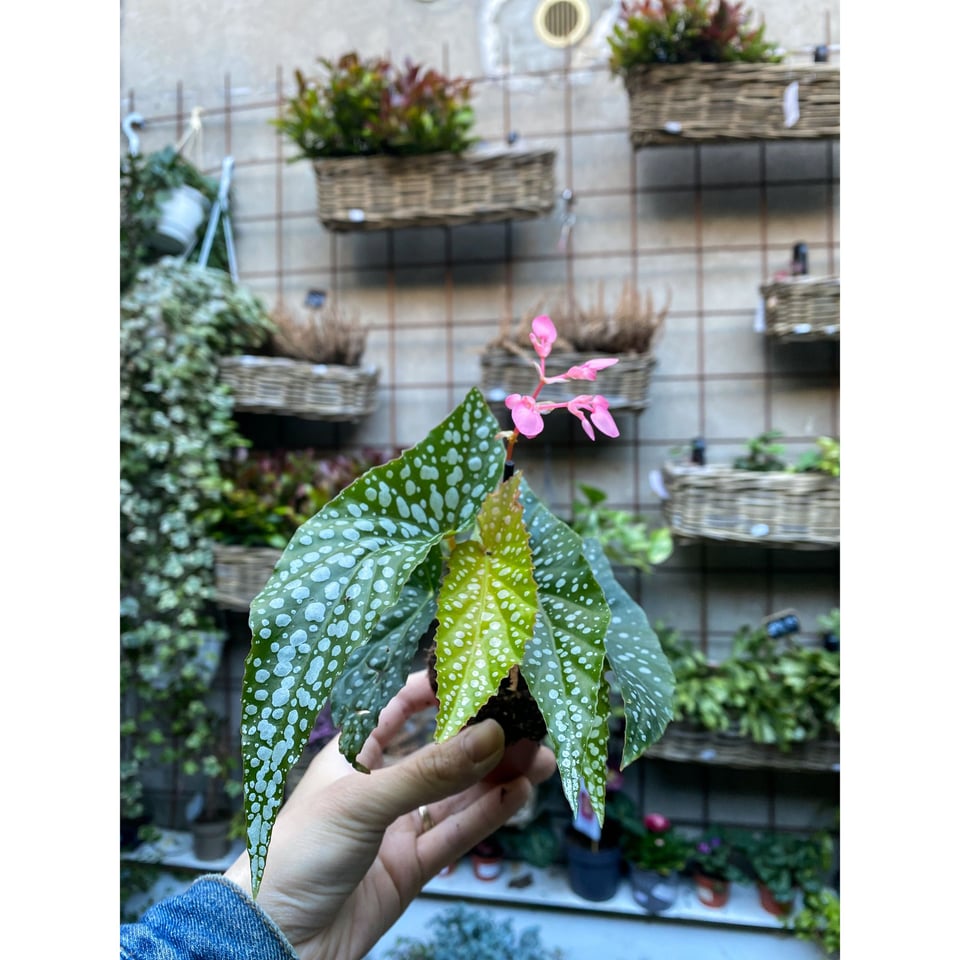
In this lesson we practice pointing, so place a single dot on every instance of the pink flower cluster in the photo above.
(592, 410)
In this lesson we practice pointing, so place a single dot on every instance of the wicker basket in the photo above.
(793, 510)
(313, 391)
(683, 743)
(802, 308)
(241, 573)
(442, 189)
(723, 102)
(625, 384)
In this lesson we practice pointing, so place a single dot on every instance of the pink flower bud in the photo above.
(588, 370)
(542, 336)
(656, 823)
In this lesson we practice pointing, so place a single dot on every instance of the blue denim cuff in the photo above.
(213, 919)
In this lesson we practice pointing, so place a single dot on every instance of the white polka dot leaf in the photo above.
(644, 675)
(341, 571)
(563, 661)
(488, 603)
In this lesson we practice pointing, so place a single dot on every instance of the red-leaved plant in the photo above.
(449, 532)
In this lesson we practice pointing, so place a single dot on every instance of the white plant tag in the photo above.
(760, 318)
(673, 126)
(356, 215)
(791, 104)
(657, 485)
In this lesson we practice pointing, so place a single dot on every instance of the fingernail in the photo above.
(483, 740)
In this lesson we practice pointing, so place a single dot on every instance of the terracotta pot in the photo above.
(772, 905)
(487, 860)
(711, 891)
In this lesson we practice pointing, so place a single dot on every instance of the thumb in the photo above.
(432, 773)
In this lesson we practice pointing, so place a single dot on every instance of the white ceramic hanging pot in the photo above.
(181, 213)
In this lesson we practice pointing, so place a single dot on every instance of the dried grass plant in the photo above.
(631, 327)
(326, 334)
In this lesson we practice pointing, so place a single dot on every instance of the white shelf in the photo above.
(174, 848)
(550, 888)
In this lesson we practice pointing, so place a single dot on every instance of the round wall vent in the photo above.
(562, 23)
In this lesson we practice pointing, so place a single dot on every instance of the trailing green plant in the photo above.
(818, 921)
(825, 459)
(528, 614)
(787, 862)
(267, 495)
(145, 180)
(768, 692)
(686, 31)
(366, 106)
(625, 537)
(176, 431)
(764, 454)
(461, 931)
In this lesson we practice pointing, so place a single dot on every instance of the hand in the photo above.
(350, 851)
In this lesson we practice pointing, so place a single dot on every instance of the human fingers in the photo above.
(525, 758)
(452, 836)
(432, 773)
(413, 697)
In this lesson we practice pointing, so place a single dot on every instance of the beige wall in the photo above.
(706, 224)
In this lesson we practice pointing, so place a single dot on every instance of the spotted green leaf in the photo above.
(376, 671)
(341, 571)
(563, 661)
(488, 603)
(643, 671)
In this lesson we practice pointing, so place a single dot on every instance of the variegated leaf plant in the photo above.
(447, 532)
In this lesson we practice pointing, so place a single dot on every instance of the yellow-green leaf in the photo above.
(486, 610)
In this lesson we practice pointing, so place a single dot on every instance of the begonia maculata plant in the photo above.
(449, 534)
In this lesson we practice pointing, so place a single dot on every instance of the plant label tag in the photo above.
(760, 317)
(781, 624)
(657, 485)
(356, 215)
(672, 126)
(791, 104)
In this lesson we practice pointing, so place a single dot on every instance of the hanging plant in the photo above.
(175, 432)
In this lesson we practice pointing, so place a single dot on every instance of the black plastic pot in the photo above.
(593, 874)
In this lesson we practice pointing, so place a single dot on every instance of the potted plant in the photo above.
(714, 867)
(486, 858)
(527, 613)
(818, 921)
(266, 496)
(759, 498)
(310, 367)
(625, 538)
(593, 852)
(655, 854)
(629, 331)
(699, 71)
(392, 147)
(784, 864)
(215, 823)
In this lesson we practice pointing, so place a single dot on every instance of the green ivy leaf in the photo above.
(642, 669)
(487, 609)
(376, 671)
(343, 569)
(563, 661)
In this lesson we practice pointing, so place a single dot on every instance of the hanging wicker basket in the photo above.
(684, 743)
(313, 391)
(441, 189)
(802, 308)
(777, 508)
(625, 385)
(723, 102)
(241, 573)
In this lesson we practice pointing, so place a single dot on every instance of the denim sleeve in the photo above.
(213, 919)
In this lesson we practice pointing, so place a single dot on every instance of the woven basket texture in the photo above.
(241, 573)
(684, 743)
(791, 510)
(441, 189)
(312, 391)
(720, 102)
(802, 308)
(625, 384)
